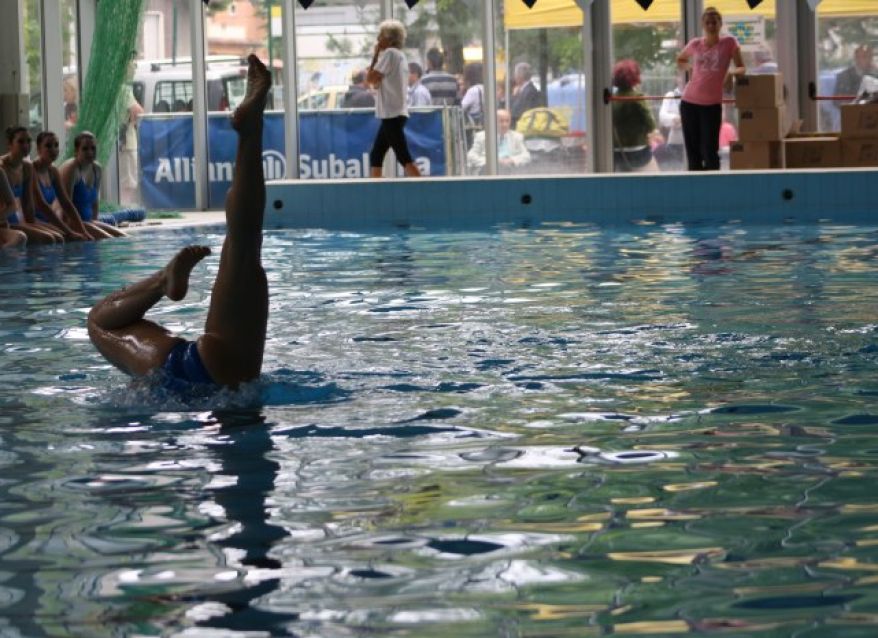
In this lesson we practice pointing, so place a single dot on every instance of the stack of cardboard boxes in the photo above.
(764, 143)
(859, 134)
(761, 123)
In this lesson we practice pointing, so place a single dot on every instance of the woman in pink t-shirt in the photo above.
(701, 110)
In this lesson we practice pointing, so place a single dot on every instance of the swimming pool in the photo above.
(569, 430)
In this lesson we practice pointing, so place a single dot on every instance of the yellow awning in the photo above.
(565, 13)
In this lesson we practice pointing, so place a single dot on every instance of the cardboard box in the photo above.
(812, 152)
(759, 91)
(859, 120)
(755, 155)
(762, 125)
(859, 152)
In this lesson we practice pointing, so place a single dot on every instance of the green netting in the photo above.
(115, 37)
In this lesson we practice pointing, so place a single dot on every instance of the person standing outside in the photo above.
(388, 73)
(131, 110)
(525, 94)
(441, 85)
(848, 82)
(358, 95)
(418, 95)
(707, 59)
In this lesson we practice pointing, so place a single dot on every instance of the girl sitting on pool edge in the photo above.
(230, 351)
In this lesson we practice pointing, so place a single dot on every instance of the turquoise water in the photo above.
(564, 431)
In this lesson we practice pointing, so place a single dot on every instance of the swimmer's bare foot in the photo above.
(249, 112)
(176, 280)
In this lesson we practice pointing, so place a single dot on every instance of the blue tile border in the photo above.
(807, 196)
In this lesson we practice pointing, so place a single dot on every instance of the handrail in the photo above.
(609, 97)
(812, 93)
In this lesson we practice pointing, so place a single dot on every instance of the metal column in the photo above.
(199, 104)
(797, 58)
(489, 86)
(290, 90)
(13, 66)
(598, 52)
(53, 71)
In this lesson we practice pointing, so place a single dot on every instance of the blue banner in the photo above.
(334, 144)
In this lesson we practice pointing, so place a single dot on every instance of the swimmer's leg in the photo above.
(234, 334)
(116, 325)
(37, 235)
(10, 238)
(108, 229)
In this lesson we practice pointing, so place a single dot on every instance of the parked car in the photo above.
(165, 86)
(326, 97)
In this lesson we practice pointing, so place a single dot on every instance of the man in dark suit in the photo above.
(358, 95)
(848, 82)
(525, 94)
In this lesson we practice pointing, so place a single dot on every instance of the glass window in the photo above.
(337, 121)
(540, 90)
(647, 131)
(156, 167)
(70, 81)
(445, 82)
(847, 33)
(232, 32)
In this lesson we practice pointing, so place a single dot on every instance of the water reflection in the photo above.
(550, 431)
(243, 447)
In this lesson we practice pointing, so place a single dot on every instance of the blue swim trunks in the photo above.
(184, 367)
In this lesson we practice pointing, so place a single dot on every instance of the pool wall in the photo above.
(847, 196)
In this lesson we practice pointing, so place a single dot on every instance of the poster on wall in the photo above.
(749, 31)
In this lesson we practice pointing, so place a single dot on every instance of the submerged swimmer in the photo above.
(230, 350)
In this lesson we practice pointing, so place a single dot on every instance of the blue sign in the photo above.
(334, 144)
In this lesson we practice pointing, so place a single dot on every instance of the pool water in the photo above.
(562, 431)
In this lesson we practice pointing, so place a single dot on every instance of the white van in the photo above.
(165, 86)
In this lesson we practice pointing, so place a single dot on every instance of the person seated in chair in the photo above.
(511, 151)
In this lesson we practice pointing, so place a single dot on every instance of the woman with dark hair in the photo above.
(81, 179)
(633, 123)
(51, 203)
(701, 109)
(19, 172)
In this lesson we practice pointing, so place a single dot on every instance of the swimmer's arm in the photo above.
(71, 215)
(738, 59)
(69, 221)
(27, 200)
(374, 77)
(7, 198)
(96, 207)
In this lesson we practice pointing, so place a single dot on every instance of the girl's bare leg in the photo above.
(234, 338)
(108, 229)
(116, 325)
(37, 235)
(10, 238)
(95, 231)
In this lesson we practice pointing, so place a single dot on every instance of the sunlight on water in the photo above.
(568, 431)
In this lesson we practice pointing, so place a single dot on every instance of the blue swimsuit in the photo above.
(49, 195)
(14, 218)
(83, 197)
(184, 367)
